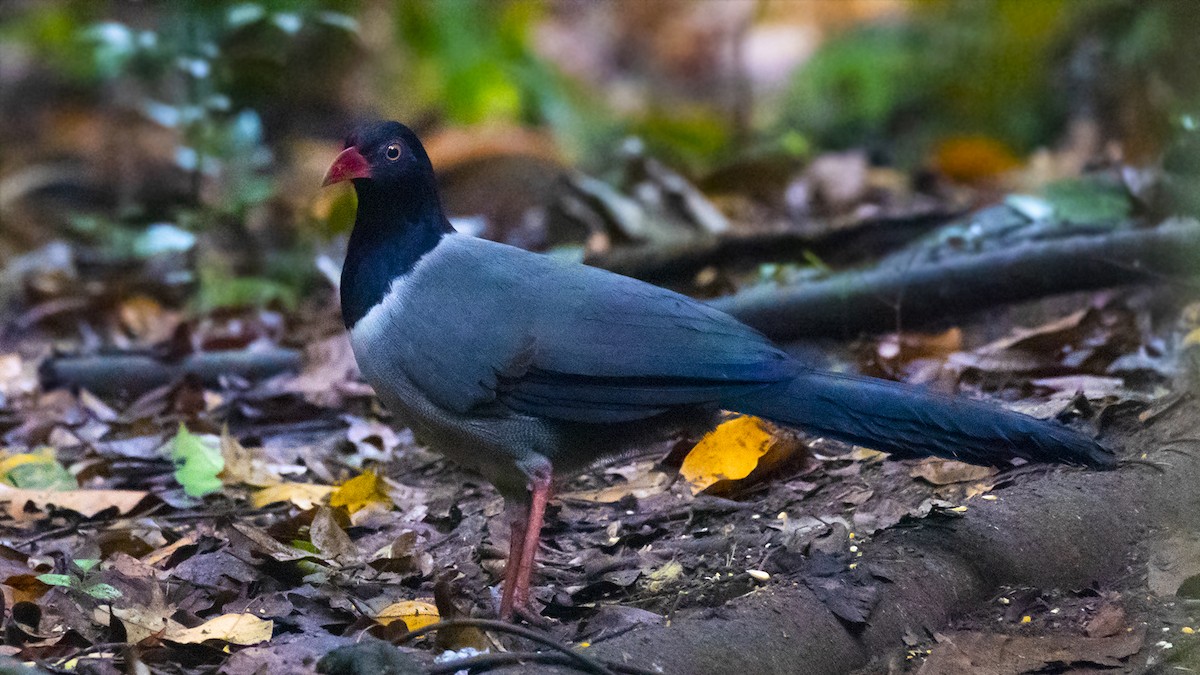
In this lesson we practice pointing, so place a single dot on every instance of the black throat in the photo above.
(392, 231)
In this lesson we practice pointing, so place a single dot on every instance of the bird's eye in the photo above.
(392, 152)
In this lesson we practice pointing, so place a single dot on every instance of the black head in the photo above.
(399, 217)
(381, 154)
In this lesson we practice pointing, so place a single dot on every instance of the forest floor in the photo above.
(321, 525)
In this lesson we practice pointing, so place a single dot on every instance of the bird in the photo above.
(525, 368)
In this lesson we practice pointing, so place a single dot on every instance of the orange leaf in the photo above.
(733, 452)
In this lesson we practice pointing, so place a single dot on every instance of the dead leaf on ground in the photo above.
(1108, 620)
(243, 466)
(742, 448)
(1091, 386)
(238, 629)
(141, 622)
(359, 492)
(903, 353)
(995, 654)
(86, 503)
(939, 471)
(329, 370)
(330, 539)
(414, 614)
(303, 495)
(402, 557)
(372, 440)
(167, 551)
(640, 485)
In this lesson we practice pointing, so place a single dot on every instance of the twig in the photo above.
(488, 661)
(586, 662)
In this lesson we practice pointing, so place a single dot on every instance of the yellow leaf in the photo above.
(11, 462)
(414, 613)
(1192, 338)
(304, 495)
(238, 629)
(360, 491)
(86, 503)
(733, 451)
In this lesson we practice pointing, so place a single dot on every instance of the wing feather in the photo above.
(484, 322)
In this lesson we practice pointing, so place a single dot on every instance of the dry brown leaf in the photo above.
(328, 365)
(414, 614)
(903, 348)
(645, 484)
(165, 552)
(87, 503)
(147, 320)
(241, 465)
(238, 629)
(23, 588)
(330, 539)
(143, 622)
(265, 543)
(995, 654)
(1108, 620)
(947, 471)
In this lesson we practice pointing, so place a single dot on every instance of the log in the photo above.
(131, 374)
(850, 303)
(678, 262)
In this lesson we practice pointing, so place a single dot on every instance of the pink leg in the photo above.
(539, 494)
(515, 549)
(523, 549)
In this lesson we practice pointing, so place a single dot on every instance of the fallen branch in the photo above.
(663, 263)
(882, 299)
(128, 374)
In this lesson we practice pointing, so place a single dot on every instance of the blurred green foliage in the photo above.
(234, 78)
(1012, 70)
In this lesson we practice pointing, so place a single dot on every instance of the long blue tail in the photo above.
(910, 421)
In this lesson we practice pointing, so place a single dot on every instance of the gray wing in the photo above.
(485, 323)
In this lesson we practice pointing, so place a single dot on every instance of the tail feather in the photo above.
(909, 421)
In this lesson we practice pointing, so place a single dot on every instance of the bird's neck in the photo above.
(392, 231)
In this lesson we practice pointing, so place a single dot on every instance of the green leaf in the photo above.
(197, 463)
(87, 564)
(55, 579)
(39, 472)
(1088, 201)
(103, 591)
(219, 291)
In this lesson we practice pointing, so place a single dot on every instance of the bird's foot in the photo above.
(531, 617)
